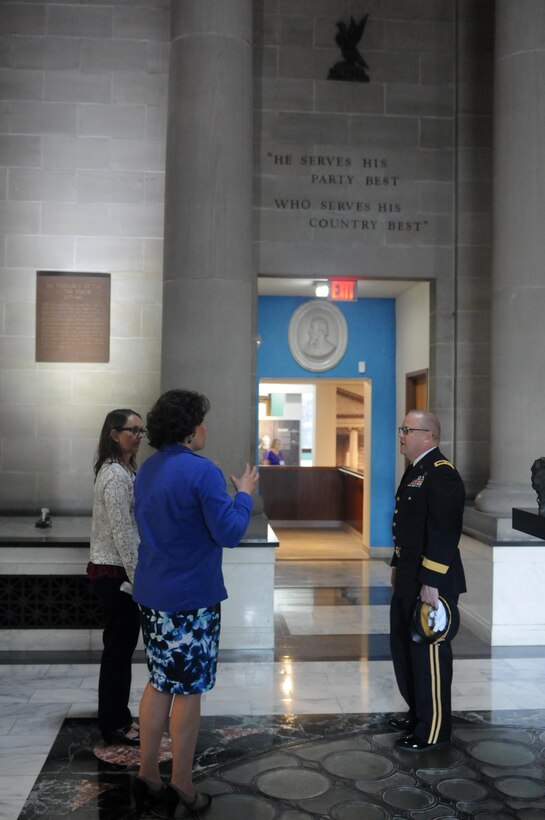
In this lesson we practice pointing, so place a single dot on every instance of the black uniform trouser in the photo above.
(120, 636)
(423, 672)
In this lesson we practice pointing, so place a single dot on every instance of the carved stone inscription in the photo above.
(72, 317)
(347, 193)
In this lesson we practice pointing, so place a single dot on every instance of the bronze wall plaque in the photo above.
(72, 317)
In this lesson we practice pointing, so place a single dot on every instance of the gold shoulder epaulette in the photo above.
(443, 461)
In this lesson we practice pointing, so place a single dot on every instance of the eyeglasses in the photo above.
(405, 430)
(134, 431)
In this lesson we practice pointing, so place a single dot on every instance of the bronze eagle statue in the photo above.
(353, 66)
(347, 38)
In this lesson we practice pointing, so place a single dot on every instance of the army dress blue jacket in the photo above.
(427, 526)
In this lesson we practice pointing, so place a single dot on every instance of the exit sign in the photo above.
(343, 290)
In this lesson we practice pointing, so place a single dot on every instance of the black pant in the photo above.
(423, 672)
(120, 636)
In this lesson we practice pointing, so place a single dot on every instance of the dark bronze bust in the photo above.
(538, 482)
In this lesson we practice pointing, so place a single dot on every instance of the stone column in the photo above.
(518, 272)
(209, 295)
(353, 449)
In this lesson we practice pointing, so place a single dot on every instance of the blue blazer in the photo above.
(185, 517)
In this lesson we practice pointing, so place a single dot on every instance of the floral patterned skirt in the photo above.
(182, 648)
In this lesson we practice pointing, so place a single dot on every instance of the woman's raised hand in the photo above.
(247, 481)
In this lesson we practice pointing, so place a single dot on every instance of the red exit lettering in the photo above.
(342, 290)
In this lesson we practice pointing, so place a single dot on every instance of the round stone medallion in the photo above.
(436, 775)
(521, 787)
(293, 814)
(472, 735)
(461, 789)
(358, 765)
(404, 797)
(501, 753)
(317, 751)
(123, 755)
(235, 806)
(292, 784)
(489, 815)
(357, 811)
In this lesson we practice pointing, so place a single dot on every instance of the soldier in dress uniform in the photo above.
(426, 564)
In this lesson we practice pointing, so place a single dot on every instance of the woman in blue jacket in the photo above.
(185, 517)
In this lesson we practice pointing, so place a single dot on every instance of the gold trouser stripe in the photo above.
(435, 674)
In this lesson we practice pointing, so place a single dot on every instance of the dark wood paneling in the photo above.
(352, 496)
(312, 494)
(301, 493)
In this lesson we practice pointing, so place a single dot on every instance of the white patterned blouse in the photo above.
(114, 534)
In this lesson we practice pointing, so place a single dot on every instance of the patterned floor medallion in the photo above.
(342, 767)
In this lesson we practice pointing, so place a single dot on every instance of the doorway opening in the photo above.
(322, 428)
(388, 337)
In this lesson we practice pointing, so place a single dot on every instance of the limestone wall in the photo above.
(386, 179)
(82, 144)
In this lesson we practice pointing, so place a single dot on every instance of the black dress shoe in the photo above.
(412, 743)
(403, 724)
(117, 737)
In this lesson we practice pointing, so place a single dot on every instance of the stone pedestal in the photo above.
(529, 522)
(505, 572)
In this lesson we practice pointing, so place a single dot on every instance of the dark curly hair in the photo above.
(108, 449)
(174, 417)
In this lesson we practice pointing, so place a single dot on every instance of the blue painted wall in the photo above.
(371, 338)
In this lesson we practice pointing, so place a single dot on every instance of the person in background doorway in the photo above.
(185, 517)
(114, 549)
(274, 455)
(426, 564)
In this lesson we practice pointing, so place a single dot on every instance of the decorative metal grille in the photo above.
(48, 602)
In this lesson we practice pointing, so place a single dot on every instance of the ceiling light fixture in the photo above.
(321, 289)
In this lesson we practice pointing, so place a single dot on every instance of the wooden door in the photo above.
(416, 391)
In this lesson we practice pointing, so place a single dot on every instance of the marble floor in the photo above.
(299, 734)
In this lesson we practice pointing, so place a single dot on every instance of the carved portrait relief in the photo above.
(317, 335)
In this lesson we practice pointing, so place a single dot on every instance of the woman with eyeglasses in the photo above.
(114, 551)
(185, 517)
